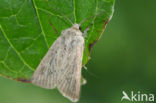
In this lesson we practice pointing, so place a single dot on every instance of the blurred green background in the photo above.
(123, 59)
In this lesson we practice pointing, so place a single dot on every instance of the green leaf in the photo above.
(27, 30)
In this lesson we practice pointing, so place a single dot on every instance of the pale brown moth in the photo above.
(61, 66)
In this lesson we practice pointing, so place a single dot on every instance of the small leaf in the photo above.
(29, 27)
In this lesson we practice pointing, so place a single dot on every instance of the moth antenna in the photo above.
(92, 74)
(85, 19)
(58, 12)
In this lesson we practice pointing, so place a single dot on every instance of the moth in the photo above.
(61, 66)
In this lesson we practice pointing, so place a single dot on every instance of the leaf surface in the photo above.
(29, 27)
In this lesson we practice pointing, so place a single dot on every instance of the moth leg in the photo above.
(85, 51)
(53, 27)
(85, 32)
(83, 81)
(85, 67)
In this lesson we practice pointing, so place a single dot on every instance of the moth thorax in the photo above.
(75, 30)
(76, 26)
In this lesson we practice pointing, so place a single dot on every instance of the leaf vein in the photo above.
(48, 12)
(74, 11)
(8, 67)
(15, 49)
(96, 10)
(31, 43)
(40, 23)
(7, 54)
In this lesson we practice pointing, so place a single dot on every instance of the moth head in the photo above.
(76, 27)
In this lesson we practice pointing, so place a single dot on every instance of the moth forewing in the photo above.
(61, 66)
(45, 75)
